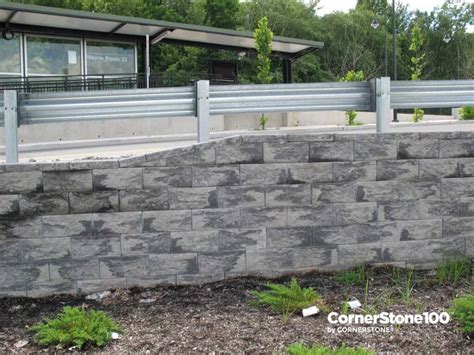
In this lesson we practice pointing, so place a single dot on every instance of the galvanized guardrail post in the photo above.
(202, 110)
(10, 109)
(382, 104)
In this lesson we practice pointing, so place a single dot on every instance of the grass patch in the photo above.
(406, 288)
(453, 270)
(287, 300)
(301, 349)
(356, 276)
(463, 312)
(75, 326)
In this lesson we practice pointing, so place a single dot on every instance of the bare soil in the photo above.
(217, 318)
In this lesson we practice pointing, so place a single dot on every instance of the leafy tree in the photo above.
(417, 60)
(222, 13)
(376, 6)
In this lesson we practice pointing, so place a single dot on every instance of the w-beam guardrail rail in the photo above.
(378, 95)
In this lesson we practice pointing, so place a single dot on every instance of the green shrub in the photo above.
(75, 326)
(301, 349)
(356, 276)
(463, 312)
(453, 270)
(467, 112)
(287, 300)
(263, 121)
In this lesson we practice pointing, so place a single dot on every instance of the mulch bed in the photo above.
(218, 318)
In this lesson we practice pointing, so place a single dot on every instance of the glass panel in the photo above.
(10, 55)
(110, 58)
(53, 56)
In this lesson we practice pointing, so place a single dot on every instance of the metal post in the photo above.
(10, 109)
(394, 34)
(382, 99)
(287, 77)
(147, 61)
(202, 110)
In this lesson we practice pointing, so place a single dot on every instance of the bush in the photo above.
(301, 349)
(287, 300)
(76, 326)
(453, 270)
(356, 276)
(467, 113)
(463, 312)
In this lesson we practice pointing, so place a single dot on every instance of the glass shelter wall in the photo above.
(10, 56)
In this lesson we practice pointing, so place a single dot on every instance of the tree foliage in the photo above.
(417, 61)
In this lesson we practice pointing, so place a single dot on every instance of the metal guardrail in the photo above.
(203, 100)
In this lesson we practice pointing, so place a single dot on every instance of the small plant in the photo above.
(287, 300)
(263, 121)
(301, 349)
(357, 276)
(75, 326)
(353, 75)
(467, 113)
(463, 312)
(418, 115)
(453, 270)
(408, 286)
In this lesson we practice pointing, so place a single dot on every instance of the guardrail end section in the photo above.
(202, 110)
(10, 110)
(382, 99)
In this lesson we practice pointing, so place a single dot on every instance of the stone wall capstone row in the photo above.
(259, 204)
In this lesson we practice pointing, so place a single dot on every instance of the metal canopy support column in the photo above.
(10, 110)
(147, 61)
(287, 77)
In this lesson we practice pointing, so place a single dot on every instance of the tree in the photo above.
(222, 13)
(376, 6)
(417, 61)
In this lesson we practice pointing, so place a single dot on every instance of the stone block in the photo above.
(46, 249)
(132, 161)
(263, 174)
(156, 221)
(80, 180)
(310, 137)
(378, 148)
(92, 286)
(14, 273)
(301, 173)
(146, 243)
(421, 229)
(195, 155)
(216, 175)
(242, 196)
(331, 193)
(456, 148)
(83, 269)
(418, 149)
(117, 223)
(291, 152)
(331, 151)
(194, 241)
(97, 201)
(397, 170)
(466, 207)
(191, 198)
(93, 246)
(355, 254)
(219, 262)
(240, 153)
(216, 218)
(466, 167)
(470, 247)
(354, 171)
(378, 232)
(458, 227)
(16, 290)
(265, 138)
(46, 203)
(172, 264)
(11, 183)
(456, 188)
(264, 216)
(435, 169)
(126, 266)
(118, 179)
(179, 176)
(424, 250)
(9, 206)
(143, 200)
(38, 289)
(151, 281)
(287, 195)
(421, 209)
(93, 164)
(28, 227)
(278, 238)
(199, 279)
(11, 251)
(236, 239)
(387, 191)
(67, 225)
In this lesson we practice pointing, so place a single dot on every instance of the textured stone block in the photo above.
(15, 273)
(281, 195)
(378, 148)
(180, 176)
(235, 239)
(195, 155)
(458, 227)
(423, 250)
(218, 218)
(354, 171)
(264, 216)
(132, 161)
(466, 167)
(418, 149)
(30, 227)
(46, 248)
(265, 138)
(97, 201)
(45, 288)
(126, 266)
(93, 164)
(16, 290)
(454, 188)
(470, 247)
(80, 180)
(397, 170)
(194, 241)
(466, 207)
(82, 269)
(146, 243)
(216, 175)
(21, 182)
(331, 151)
(242, 196)
(265, 174)
(91, 286)
(11, 251)
(117, 223)
(422, 229)
(240, 153)
(289, 237)
(356, 234)
(199, 197)
(143, 200)
(435, 169)
(332, 215)
(171, 264)
(118, 179)
(310, 137)
(166, 221)
(199, 279)
(338, 192)
(359, 253)
(421, 209)
(291, 152)
(386, 191)
(224, 261)
(151, 281)
(92, 246)
(47, 203)
(301, 173)
(9, 205)
(67, 226)
(456, 148)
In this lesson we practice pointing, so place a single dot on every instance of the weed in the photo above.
(453, 270)
(406, 289)
(357, 276)
(263, 121)
(463, 312)
(301, 349)
(345, 308)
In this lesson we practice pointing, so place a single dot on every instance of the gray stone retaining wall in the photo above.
(257, 204)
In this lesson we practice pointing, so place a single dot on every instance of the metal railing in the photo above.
(203, 100)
